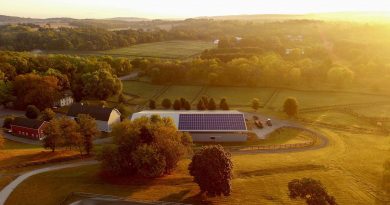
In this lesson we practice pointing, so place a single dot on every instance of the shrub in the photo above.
(47, 114)
(32, 112)
(212, 169)
(311, 190)
(166, 103)
(177, 105)
(290, 107)
(8, 121)
(148, 161)
(152, 104)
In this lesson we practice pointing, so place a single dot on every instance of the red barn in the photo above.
(28, 128)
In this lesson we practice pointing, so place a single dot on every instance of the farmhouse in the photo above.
(105, 117)
(206, 126)
(28, 128)
(66, 99)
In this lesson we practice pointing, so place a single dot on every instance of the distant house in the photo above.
(28, 128)
(66, 99)
(105, 117)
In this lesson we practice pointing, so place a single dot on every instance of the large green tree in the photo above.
(100, 84)
(212, 169)
(290, 106)
(89, 130)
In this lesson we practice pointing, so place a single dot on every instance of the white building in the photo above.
(205, 126)
(105, 117)
(66, 99)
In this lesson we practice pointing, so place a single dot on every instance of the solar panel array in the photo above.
(212, 122)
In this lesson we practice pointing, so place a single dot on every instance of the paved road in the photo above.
(6, 192)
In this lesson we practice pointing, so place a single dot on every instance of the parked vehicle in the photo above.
(269, 122)
(259, 124)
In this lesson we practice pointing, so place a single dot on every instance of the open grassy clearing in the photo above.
(166, 49)
(178, 91)
(375, 111)
(240, 95)
(336, 118)
(140, 88)
(308, 99)
(351, 168)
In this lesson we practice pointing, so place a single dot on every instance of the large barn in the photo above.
(30, 128)
(206, 126)
(105, 117)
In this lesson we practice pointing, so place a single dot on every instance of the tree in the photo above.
(148, 161)
(255, 104)
(187, 105)
(89, 130)
(223, 104)
(166, 103)
(152, 104)
(150, 147)
(124, 110)
(1, 139)
(53, 134)
(47, 114)
(101, 84)
(8, 121)
(212, 169)
(32, 112)
(340, 76)
(177, 105)
(290, 107)
(6, 90)
(211, 105)
(311, 190)
(33, 89)
(201, 105)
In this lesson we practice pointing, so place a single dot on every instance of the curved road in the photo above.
(6, 192)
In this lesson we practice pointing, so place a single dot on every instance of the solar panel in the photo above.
(211, 122)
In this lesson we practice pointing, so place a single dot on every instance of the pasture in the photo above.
(351, 168)
(165, 49)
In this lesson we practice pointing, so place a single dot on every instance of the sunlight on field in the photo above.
(166, 49)
(352, 163)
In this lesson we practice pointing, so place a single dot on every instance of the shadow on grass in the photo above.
(279, 170)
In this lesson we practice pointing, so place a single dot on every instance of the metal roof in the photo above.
(201, 121)
(26, 122)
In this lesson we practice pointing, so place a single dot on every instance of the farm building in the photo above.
(105, 117)
(66, 99)
(28, 128)
(206, 126)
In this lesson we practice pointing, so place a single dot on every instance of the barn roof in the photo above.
(202, 121)
(25, 122)
(99, 113)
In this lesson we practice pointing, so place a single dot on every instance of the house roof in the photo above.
(201, 121)
(25, 122)
(99, 113)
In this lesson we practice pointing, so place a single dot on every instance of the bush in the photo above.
(8, 121)
(32, 112)
(212, 169)
(311, 190)
(150, 147)
(47, 114)
(148, 161)
(166, 103)
(290, 107)
(152, 104)
(177, 105)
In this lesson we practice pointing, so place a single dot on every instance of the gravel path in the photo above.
(6, 192)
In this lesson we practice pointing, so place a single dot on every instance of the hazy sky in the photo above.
(179, 8)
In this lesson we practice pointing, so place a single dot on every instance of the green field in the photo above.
(309, 99)
(166, 49)
(240, 95)
(178, 91)
(351, 168)
(375, 111)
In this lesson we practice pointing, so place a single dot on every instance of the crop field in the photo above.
(351, 168)
(144, 90)
(166, 49)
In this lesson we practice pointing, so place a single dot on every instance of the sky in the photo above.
(180, 8)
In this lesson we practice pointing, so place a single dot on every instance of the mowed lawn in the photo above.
(144, 90)
(310, 99)
(165, 49)
(351, 168)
